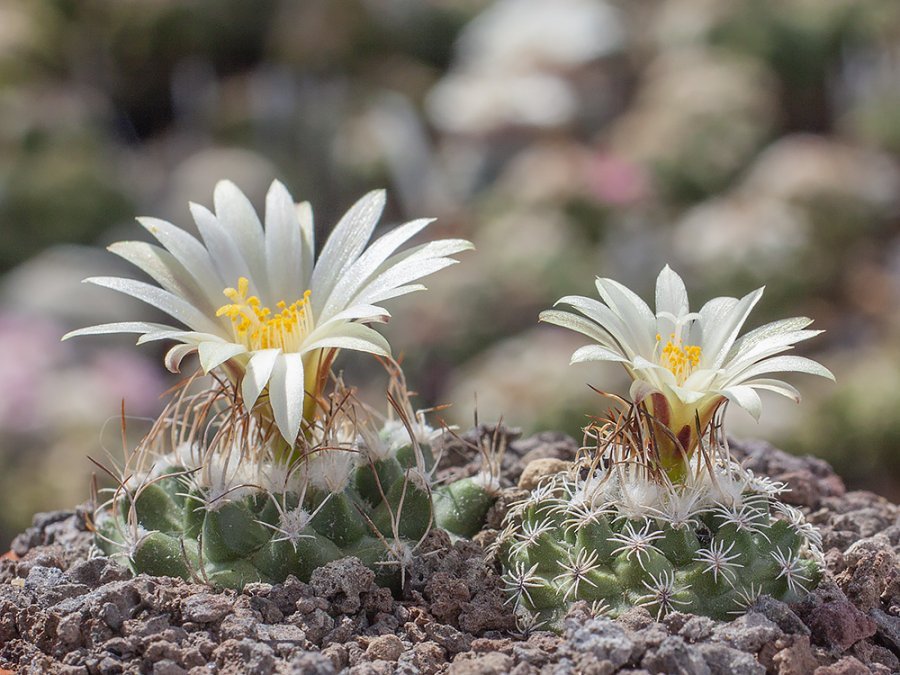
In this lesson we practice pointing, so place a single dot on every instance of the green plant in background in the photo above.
(278, 468)
(654, 512)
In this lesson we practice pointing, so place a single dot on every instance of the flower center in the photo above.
(678, 358)
(257, 327)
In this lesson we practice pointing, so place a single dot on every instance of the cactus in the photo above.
(213, 494)
(616, 532)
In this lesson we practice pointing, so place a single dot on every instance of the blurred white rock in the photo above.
(806, 166)
(525, 35)
(49, 285)
(740, 230)
(513, 63)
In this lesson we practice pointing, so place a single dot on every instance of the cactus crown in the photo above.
(617, 531)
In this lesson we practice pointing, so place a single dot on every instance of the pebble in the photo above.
(385, 648)
(206, 608)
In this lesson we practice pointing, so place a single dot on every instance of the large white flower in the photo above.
(257, 303)
(685, 364)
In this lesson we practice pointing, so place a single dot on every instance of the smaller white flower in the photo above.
(686, 364)
(257, 303)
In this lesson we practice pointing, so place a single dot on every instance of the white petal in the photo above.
(172, 305)
(641, 364)
(441, 248)
(188, 337)
(119, 327)
(606, 319)
(286, 394)
(166, 270)
(308, 235)
(717, 345)
(768, 330)
(641, 389)
(577, 323)
(776, 386)
(257, 374)
(361, 271)
(362, 313)
(284, 245)
(702, 378)
(230, 264)
(346, 242)
(784, 364)
(746, 398)
(671, 295)
(596, 353)
(712, 315)
(190, 253)
(685, 395)
(214, 354)
(767, 347)
(176, 355)
(400, 290)
(383, 285)
(352, 336)
(638, 321)
(238, 217)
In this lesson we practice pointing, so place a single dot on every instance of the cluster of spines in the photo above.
(713, 559)
(212, 496)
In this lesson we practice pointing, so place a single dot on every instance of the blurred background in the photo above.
(746, 143)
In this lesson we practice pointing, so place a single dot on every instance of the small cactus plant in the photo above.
(210, 495)
(655, 512)
(267, 474)
(617, 533)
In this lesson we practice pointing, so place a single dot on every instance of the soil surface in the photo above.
(62, 611)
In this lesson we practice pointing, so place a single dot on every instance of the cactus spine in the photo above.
(617, 532)
(212, 494)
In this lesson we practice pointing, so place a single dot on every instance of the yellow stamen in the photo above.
(678, 358)
(256, 327)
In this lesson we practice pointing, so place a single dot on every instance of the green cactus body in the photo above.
(693, 548)
(461, 506)
(198, 522)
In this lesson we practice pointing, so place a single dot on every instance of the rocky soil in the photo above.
(62, 611)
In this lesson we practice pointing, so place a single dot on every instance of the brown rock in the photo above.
(428, 657)
(868, 565)
(447, 595)
(538, 468)
(385, 648)
(846, 666)
(488, 664)
(206, 607)
(795, 656)
(839, 625)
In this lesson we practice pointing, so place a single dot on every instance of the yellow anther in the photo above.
(257, 327)
(679, 359)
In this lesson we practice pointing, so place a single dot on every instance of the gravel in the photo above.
(64, 612)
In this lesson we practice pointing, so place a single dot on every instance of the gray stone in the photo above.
(206, 608)
(781, 614)
(342, 582)
(603, 638)
(749, 633)
(41, 578)
(673, 655)
(312, 663)
(724, 660)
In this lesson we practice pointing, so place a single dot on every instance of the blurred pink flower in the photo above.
(615, 180)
